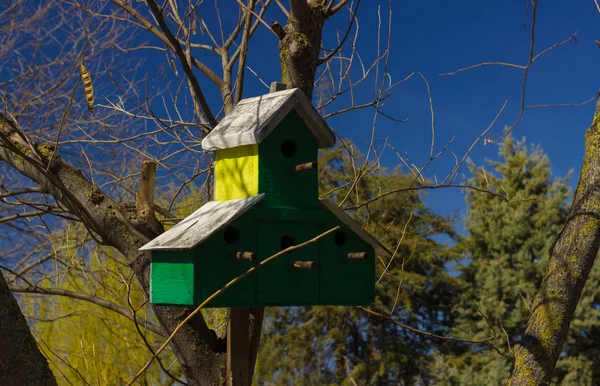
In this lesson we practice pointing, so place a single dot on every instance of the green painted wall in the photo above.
(216, 264)
(172, 278)
(278, 283)
(346, 281)
(283, 187)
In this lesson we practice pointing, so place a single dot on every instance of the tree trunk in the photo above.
(300, 47)
(21, 362)
(569, 265)
(198, 349)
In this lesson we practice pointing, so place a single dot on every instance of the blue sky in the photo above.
(433, 37)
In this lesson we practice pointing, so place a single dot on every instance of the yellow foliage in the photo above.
(87, 343)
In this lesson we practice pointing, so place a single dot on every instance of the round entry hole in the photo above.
(231, 235)
(288, 148)
(340, 238)
(286, 242)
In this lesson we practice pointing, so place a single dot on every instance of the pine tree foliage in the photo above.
(505, 254)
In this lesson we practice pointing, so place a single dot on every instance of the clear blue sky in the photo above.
(433, 37)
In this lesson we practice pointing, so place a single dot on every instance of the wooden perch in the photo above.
(304, 264)
(305, 166)
(245, 256)
(357, 255)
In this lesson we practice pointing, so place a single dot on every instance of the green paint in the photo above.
(346, 281)
(283, 187)
(336, 280)
(278, 283)
(298, 215)
(217, 265)
(172, 278)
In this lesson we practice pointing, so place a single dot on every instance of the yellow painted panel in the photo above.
(236, 172)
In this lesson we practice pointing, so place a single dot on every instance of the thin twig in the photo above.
(485, 342)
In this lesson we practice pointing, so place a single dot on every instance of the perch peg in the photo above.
(304, 265)
(305, 166)
(357, 255)
(249, 256)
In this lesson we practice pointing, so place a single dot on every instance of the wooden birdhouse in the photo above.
(266, 200)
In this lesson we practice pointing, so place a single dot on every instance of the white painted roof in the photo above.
(355, 227)
(200, 225)
(253, 119)
(214, 215)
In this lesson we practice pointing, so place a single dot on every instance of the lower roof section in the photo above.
(200, 225)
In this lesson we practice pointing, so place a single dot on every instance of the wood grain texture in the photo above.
(333, 280)
(253, 119)
(200, 225)
(238, 347)
(172, 278)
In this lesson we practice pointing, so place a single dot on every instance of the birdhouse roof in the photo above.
(214, 215)
(200, 225)
(355, 227)
(253, 119)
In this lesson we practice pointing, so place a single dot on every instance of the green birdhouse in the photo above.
(266, 200)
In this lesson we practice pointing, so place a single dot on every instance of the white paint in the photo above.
(253, 119)
(200, 225)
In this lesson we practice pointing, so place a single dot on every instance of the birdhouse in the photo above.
(266, 200)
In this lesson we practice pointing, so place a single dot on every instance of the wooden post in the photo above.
(276, 86)
(238, 372)
(238, 347)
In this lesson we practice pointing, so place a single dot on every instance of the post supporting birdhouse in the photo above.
(238, 347)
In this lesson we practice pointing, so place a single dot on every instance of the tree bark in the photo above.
(569, 265)
(300, 47)
(21, 362)
(199, 351)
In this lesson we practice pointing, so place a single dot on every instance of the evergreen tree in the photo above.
(342, 345)
(505, 254)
